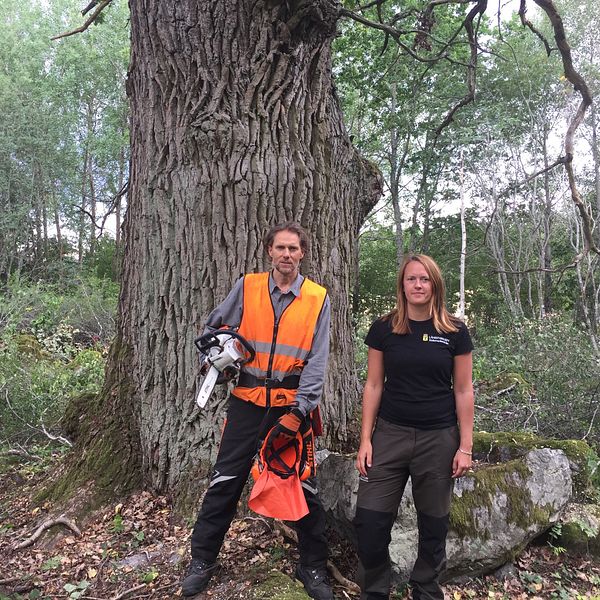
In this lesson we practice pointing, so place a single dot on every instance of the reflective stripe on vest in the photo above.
(280, 351)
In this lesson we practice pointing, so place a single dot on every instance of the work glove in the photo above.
(227, 374)
(287, 426)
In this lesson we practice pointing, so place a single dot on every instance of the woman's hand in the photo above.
(461, 464)
(364, 458)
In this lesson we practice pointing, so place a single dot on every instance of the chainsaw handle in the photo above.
(209, 340)
(206, 342)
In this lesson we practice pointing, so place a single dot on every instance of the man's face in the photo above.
(286, 253)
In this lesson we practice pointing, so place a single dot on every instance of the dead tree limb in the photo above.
(580, 86)
(47, 525)
(289, 533)
(90, 20)
(130, 591)
(527, 23)
(22, 454)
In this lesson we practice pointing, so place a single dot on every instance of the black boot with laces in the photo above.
(315, 582)
(198, 576)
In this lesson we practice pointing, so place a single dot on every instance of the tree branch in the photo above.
(90, 20)
(21, 453)
(580, 86)
(132, 590)
(478, 9)
(389, 30)
(289, 533)
(560, 269)
(527, 23)
(46, 525)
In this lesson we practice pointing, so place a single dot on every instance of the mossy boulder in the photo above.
(496, 511)
(508, 445)
(500, 508)
(579, 529)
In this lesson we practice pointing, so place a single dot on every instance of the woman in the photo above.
(419, 385)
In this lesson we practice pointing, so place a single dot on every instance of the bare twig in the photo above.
(516, 185)
(591, 423)
(510, 388)
(21, 453)
(560, 269)
(38, 429)
(129, 592)
(289, 533)
(90, 20)
(46, 525)
(527, 23)
(89, 7)
(392, 32)
(54, 438)
(478, 9)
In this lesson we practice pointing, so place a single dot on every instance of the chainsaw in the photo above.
(225, 351)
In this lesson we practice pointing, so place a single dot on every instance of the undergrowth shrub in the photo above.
(53, 344)
(539, 376)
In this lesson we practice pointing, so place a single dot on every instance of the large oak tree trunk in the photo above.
(235, 126)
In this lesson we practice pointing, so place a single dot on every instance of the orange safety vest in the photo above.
(282, 348)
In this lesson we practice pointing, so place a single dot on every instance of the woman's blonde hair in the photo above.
(443, 321)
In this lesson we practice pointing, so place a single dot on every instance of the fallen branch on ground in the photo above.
(288, 532)
(46, 525)
(20, 453)
(129, 591)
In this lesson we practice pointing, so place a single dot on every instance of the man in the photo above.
(285, 317)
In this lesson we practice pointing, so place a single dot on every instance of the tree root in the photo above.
(46, 525)
(289, 533)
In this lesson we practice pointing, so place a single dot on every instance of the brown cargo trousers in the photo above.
(426, 457)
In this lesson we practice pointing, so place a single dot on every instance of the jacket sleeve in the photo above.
(229, 312)
(312, 377)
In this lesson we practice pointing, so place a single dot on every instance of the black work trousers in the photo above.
(426, 457)
(246, 424)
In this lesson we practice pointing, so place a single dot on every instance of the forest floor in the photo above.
(138, 548)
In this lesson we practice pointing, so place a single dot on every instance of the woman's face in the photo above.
(416, 284)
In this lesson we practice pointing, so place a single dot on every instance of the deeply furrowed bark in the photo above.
(235, 126)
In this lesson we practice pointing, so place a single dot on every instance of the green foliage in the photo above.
(78, 590)
(149, 576)
(553, 536)
(377, 275)
(52, 563)
(102, 262)
(533, 581)
(52, 349)
(63, 121)
(86, 308)
(539, 376)
(117, 525)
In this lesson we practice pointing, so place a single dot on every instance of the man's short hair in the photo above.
(287, 226)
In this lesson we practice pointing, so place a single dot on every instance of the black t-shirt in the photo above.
(418, 372)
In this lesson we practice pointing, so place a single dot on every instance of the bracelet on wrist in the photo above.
(465, 452)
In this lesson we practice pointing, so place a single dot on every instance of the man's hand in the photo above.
(286, 426)
(227, 374)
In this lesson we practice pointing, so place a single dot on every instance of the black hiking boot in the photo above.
(197, 577)
(315, 582)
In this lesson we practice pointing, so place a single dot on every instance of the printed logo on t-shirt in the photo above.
(437, 339)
